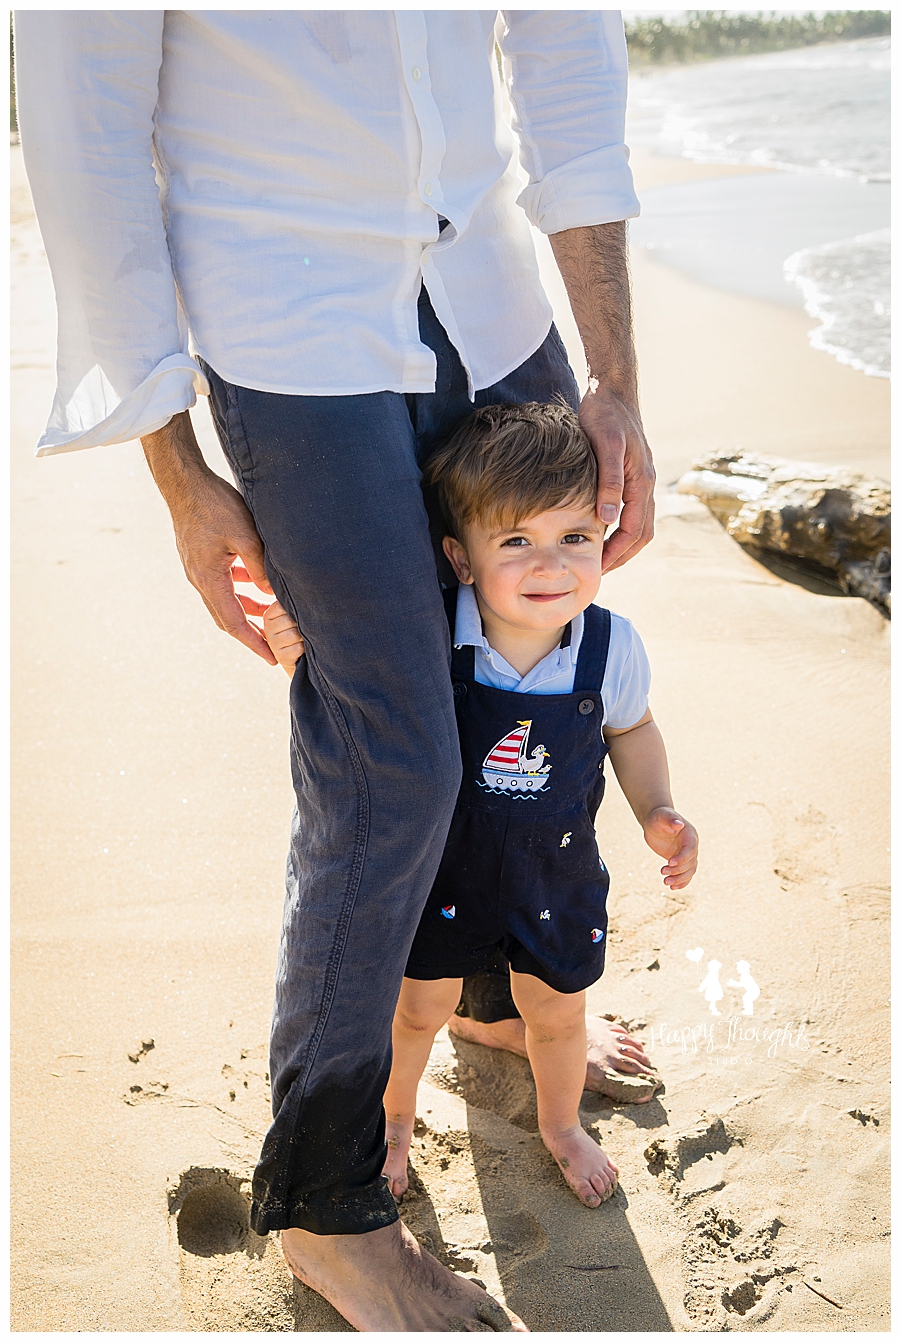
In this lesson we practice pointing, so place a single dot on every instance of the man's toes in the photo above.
(490, 1318)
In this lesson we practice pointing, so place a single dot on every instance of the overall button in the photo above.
(586, 707)
(427, 189)
(416, 73)
(459, 689)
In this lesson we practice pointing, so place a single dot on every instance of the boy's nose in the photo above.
(548, 562)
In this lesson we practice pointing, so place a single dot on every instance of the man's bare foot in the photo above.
(506, 1034)
(399, 1134)
(611, 1049)
(384, 1282)
(589, 1172)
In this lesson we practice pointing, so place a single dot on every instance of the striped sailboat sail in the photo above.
(509, 753)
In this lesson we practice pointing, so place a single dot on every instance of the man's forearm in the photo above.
(594, 265)
(175, 460)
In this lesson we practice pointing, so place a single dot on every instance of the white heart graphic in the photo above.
(695, 954)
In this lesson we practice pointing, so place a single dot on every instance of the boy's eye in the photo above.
(515, 540)
(574, 537)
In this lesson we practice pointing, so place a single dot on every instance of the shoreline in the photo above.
(740, 370)
(151, 809)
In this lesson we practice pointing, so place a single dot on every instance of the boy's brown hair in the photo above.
(506, 463)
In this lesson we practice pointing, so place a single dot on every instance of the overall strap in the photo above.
(463, 660)
(592, 662)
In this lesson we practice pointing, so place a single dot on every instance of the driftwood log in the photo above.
(832, 521)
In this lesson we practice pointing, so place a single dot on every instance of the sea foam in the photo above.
(846, 286)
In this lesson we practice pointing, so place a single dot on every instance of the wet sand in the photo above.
(151, 804)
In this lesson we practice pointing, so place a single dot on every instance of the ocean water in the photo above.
(816, 113)
(847, 285)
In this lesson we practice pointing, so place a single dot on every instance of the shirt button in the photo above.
(416, 72)
(459, 689)
(428, 188)
(586, 707)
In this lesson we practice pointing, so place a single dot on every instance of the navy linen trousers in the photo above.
(333, 483)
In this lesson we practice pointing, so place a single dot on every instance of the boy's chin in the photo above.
(546, 616)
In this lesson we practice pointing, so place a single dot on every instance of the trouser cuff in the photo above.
(354, 1213)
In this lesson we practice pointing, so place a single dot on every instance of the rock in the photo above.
(832, 519)
(138, 1053)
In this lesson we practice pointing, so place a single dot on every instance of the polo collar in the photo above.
(468, 631)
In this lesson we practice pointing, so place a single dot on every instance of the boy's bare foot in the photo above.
(610, 1049)
(588, 1171)
(383, 1282)
(399, 1134)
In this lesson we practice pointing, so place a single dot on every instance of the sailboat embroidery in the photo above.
(508, 767)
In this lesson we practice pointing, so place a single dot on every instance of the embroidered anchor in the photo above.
(564, 842)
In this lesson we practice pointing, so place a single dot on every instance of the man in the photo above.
(327, 202)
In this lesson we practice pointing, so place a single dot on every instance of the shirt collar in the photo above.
(468, 630)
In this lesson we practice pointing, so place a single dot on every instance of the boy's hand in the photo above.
(673, 838)
(283, 636)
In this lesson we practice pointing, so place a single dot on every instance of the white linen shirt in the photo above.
(263, 188)
(627, 677)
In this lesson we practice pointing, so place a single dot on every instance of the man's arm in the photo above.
(567, 72)
(594, 264)
(213, 526)
(87, 85)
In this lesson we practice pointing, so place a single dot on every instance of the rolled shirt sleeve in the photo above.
(567, 75)
(87, 86)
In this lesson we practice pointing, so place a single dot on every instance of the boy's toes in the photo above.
(588, 1194)
(603, 1187)
(398, 1185)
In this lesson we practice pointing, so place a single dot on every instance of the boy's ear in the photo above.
(457, 556)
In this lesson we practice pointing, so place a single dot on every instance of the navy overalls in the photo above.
(521, 872)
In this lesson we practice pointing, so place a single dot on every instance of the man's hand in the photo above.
(213, 528)
(625, 472)
(594, 265)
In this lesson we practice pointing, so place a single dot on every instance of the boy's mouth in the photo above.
(545, 596)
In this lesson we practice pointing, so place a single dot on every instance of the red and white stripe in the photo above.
(505, 754)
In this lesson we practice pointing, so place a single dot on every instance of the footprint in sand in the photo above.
(231, 1279)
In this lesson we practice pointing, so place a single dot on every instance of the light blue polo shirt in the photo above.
(627, 677)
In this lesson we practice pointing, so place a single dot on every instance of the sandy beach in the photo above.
(151, 801)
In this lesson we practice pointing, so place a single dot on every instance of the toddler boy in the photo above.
(546, 685)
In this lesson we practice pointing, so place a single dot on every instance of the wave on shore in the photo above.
(816, 111)
(846, 286)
